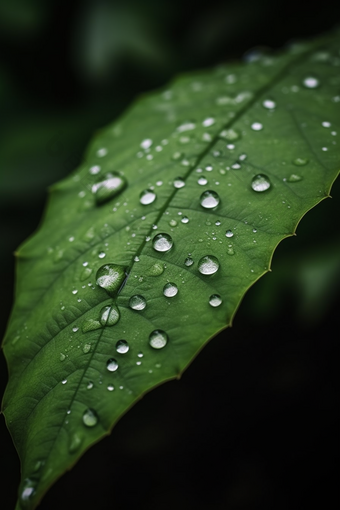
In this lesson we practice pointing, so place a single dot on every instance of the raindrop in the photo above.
(256, 126)
(112, 365)
(310, 82)
(27, 492)
(202, 181)
(110, 277)
(189, 261)
(162, 242)
(209, 199)
(109, 315)
(170, 289)
(109, 187)
(208, 265)
(158, 339)
(173, 223)
(300, 161)
(122, 346)
(215, 300)
(260, 182)
(137, 302)
(90, 418)
(147, 197)
(156, 269)
(269, 104)
(229, 233)
(294, 178)
(185, 219)
(89, 385)
(102, 254)
(110, 387)
(179, 182)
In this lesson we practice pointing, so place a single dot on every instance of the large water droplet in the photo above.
(310, 82)
(137, 302)
(122, 346)
(209, 199)
(215, 300)
(148, 196)
(170, 289)
(158, 339)
(162, 242)
(208, 265)
(109, 315)
(112, 365)
(109, 187)
(260, 182)
(90, 418)
(110, 277)
(179, 182)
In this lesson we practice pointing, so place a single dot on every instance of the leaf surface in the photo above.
(147, 249)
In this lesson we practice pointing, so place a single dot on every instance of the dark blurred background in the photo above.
(254, 421)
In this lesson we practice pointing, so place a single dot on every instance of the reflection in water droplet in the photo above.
(188, 261)
(147, 197)
(179, 182)
(301, 161)
(137, 302)
(229, 233)
(310, 82)
(209, 199)
(111, 365)
(208, 265)
(110, 277)
(162, 242)
(294, 178)
(75, 442)
(269, 104)
(256, 126)
(122, 346)
(109, 315)
(170, 289)
(215, 300)
(260, 182)
(158, 339)
(109, 187)
(90, 418)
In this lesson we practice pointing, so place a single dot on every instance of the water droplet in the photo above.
(185, 219)
(110, 387)
(186, 126)
(75, 329)
(86, 348)
(101, 152)
(162, 242)
(209, 199)
(208, 122)
(173, 223)
(158, 339)
(94, 170)
(90, 418)
(147, 197)
(109, 187)
(230, 251)
(110, 277)
(90, 325)
(202, 181)
(89, 385)
(146, 144)
(230, 134)
(170, 289)
(137, 302)
(64, 381)
(294, 178)
(85, 274)
(260, 182)
(256, 126)
(310, 82)
(109, 315)
(326, 124)
(229, 233)
(179, 182)
(122, 346)
(156, 269)
(102, 254)
(208, 265)
(269, 104)
(62, 357)
(28, 490)
(301, 161)
(112, 365)
(215, 300)
(75, 442)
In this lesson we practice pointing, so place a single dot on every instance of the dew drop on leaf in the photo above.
(185, 219)
(146, 144)
(89, 385)
(189, 261)
(208, 265)
(109, 315)
(110, 277)
(28, 489)
(86, 348)
(112, 365)
(75, 442)
(209, 199)
(156, 269)
(148, 196)
(260, 182)
(310, 82)
(229, 233)
(256, 126)
(109, 187)
(230, 134)
(300, 161)
(85, 274)
(294, 178)
(90, 325)
(170, 289)
(110, 387)
(158, 339)
(90, 418)
(137, 302)
(122, 346)
(202, 181)
(179, 182)
(215, 300)
(162, 242)
(269, 104)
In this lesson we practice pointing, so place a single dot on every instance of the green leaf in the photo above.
(147, 250)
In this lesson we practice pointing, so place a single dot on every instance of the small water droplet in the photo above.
(202, 181)
(86, 348)
(260, 182)
(230, 134)
(89, 385)
(102, 254)
(269, 104)
(162, 242)
(256, 126)
(90, 418)
(310, 82)
(27, 492)
(112, 365)
(209, 199)
(90, 325)
(294, 178)
(110, 387)
(109, 315)
(75, 291)
(300, 161)
(62, 356)
(185, 219)
(208, 265)
(230, 251)
(64, 381)
(137, 302)
(156, 269)
(85, 274)
(107, 188)
(110, 277)
(75, 442)
(173, 223)
(188, 261)
(101, 152)
(158, 339)
(208, 122)
(170, 289)
(179, 182)
(94, 170)
(215, 300)
(229, 233)
(75, 329)
(147, 197)
(122, 346)
(146, 144)
(326, 124)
